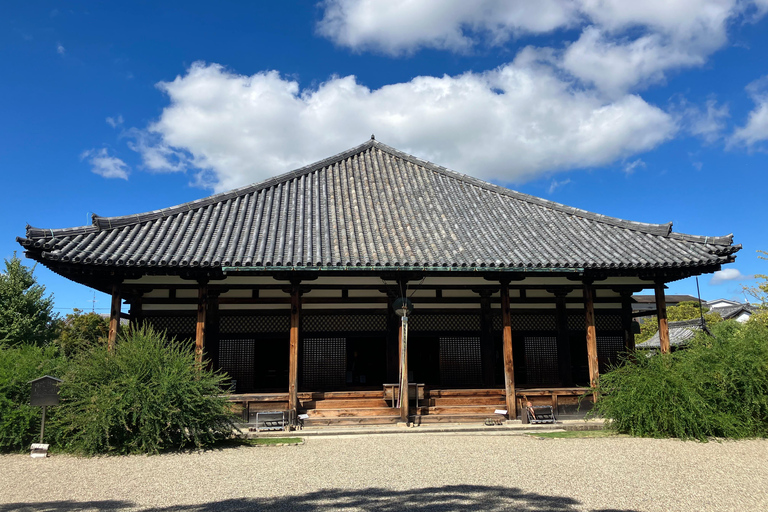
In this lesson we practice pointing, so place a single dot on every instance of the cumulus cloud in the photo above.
(105, 165)
(728, 274)
(557, 184)
(403, 26)
(510, 124)
(630, 167)
(755, 131)
(60, 49)
(622, 45)
(706, 122)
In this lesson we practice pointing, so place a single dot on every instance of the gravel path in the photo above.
(466, 472)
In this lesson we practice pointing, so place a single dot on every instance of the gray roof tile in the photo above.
(375, 206)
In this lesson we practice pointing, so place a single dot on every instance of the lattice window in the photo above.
(324, 362)
(603, 322)
(460, 362)
(444, 322)
(577, 322)
(236, 357)
(254, 323)
(533, 322)
(608, 349)
(173, 324)
(344, 323)
(608, 322)
(497, 323)
(541, 360)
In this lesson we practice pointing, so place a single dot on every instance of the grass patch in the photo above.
(273, 441)
(576, 434)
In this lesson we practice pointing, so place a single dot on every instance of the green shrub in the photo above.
(19, 421)
(148, 396)
(717, 387)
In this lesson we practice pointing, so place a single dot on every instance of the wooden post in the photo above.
(212, 329)
(404, 398)
(509, 363)
(589, 308)
(626, 321)
(293, 355)
(563, 339)
(135, 312)
(661, 314)
(202, 309)
(114, 316)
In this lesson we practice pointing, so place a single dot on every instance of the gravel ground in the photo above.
(460, 471)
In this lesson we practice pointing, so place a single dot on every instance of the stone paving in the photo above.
(460, 470)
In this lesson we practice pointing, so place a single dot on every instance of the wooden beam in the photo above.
(114, 316)
(293, 355)
(661, 309)
(202, 309)
(589, 309)
(509, 363)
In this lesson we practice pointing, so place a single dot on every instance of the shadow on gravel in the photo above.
(460, 498)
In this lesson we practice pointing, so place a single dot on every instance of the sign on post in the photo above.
(45, 392)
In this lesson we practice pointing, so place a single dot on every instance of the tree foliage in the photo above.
(717, 387)
(26, 313)
(148, 396)
(687, 310)
(19, 421)
(81, 331)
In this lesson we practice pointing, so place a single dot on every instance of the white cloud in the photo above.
(707, 122)
(105, 165)
(402, 26)
(114, 122)
(728, 274)
(623, 45)
(557, 184)
(510, 124)
(755, 131)
(60, 49)
(630, 167)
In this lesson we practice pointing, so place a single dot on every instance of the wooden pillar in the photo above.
(509, 363)
(563, 339)
(486, 338)
(202, 310)
(626, 321)
(114, 316)
(404, 398)
(661, 314)
(589, 309)
(293, 355)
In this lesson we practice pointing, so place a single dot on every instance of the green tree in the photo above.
(683, 311)
(26, 313)
(80, 331)
(760, 291)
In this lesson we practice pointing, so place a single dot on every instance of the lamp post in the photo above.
(403, 307)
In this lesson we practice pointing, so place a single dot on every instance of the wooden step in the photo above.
(461, 409)
(440, 393)
(348, 422)
(462, 400)
(349, 395)
(457, 418)
(345, 404)
(352, 413)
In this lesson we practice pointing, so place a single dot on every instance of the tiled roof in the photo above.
(679, 334)
(375, 206)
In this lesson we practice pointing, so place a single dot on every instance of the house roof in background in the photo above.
(375, 206)
(669, 299)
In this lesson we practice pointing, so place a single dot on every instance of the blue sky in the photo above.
(652, 111)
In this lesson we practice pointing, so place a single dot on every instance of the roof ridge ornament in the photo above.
(373, 137)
